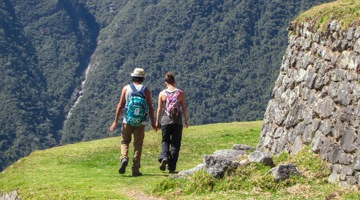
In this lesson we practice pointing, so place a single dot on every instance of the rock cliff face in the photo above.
(316, 98)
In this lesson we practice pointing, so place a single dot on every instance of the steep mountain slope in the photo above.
(225, 55)
(45, 46)
(21, 91)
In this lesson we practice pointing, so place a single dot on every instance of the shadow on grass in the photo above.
(165, 174)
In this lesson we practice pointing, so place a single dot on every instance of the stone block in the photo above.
(325, 107)
(243, 147)
(317, 99)
(347, 141)
(351, 180)
(221, 161)
(345, 172)
(326, 127)
(317, 142)
(297, 146)
(284, 171)
(356, 163)
(357, 46)
(334, 154)
(350, 33)
(307, 135)
(346, 159)
(261, 157)
(334, 178)
(190, 172)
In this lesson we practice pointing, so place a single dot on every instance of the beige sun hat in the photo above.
(138, 72)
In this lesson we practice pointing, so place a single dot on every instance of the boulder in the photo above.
(261, 157)
(221, 161)
(282, 172)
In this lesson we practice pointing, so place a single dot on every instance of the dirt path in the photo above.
(137, 195)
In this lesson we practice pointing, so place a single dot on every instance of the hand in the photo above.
(154, 126)
(186, 124)
(112, 127)
(158, 125)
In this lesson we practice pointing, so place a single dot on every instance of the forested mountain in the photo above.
(53, 53)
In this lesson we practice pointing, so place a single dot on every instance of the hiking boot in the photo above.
(172, 172)
(136, 174)
(124, 163)
(163, 164)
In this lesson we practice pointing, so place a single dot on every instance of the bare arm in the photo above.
(119, 108)
(184, 109)
(151, 108)
(159, 108)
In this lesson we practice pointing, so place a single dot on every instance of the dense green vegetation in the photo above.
(45, 47)
(23, 111)
(88, 170)
(225, 54)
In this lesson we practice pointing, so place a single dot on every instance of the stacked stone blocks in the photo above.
(315, 100)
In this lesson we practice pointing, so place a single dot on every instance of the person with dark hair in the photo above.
(169, 119)
(129, 129)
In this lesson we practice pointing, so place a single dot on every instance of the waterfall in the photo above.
(77, 95)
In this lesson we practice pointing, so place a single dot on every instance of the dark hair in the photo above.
(170, 78)
(138, 79)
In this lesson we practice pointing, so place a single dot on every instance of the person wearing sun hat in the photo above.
(138, 76)
(138, 72)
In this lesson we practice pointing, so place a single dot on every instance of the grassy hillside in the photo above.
(88, 170)
(345, 11)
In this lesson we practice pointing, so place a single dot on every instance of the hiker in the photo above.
(169, 119)
(133, 121)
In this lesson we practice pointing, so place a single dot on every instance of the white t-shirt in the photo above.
(129, 91)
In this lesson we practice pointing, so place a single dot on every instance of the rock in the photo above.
(334, 178)
(335, 154)
(357, 46)
(347, 141)
(325, 107)
(346, 159)
(221, 161)
(297, 146)
(243, 147)
(357, 163)
(229, 154)
(261, 157)
(317, 142)
(325, 127)
(334, 26)
(282, 172)
(190, 172)
(10, 196)
(244, 162)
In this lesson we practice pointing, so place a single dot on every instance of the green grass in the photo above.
(88, 170)
(345, 11)
(254, 182)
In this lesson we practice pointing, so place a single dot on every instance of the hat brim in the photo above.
(137, 75)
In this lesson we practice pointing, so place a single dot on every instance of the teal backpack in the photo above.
(136, 107)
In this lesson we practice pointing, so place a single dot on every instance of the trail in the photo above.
(137, 195)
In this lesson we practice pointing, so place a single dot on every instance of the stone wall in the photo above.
(315, 100)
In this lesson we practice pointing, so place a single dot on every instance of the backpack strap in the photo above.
(170, 92)
(142, 89)
(133, 88)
